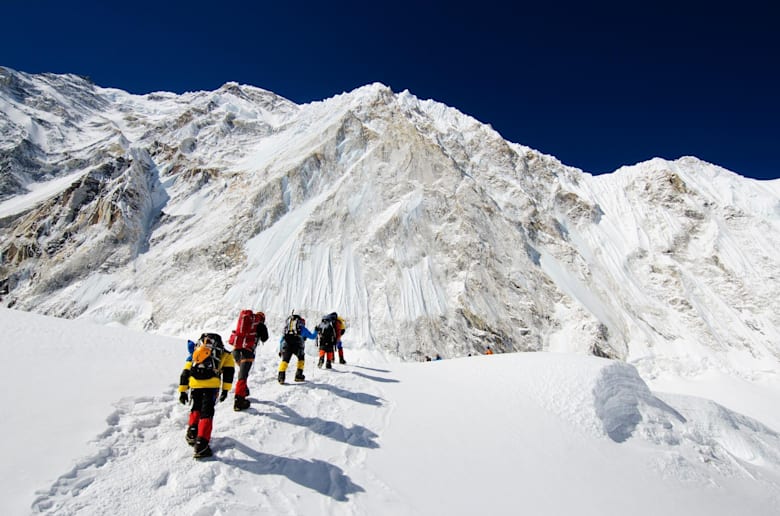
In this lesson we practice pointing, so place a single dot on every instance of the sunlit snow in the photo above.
(94, 427)
(142, 221)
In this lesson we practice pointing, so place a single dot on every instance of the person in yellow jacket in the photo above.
(341, 327)
(292, 344)
(208, 370)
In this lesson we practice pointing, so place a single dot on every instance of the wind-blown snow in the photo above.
(96, 429)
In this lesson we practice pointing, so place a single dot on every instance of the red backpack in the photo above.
(246, 332)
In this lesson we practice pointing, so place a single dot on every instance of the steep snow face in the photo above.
(421, 225)
(685, 258)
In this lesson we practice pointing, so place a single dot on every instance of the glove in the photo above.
(280, 354)
(183, 398)
(223, 396)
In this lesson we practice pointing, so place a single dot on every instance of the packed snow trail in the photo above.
(267, 458)
(505, 434)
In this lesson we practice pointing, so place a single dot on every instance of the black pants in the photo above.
(203, 402)
(290, 348)
(244, 359)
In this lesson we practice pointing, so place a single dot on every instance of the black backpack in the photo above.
(327, 332)
(292, 330)
(207, 357)
(293, 325)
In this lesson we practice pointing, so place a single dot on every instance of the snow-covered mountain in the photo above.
(427, 229)
(431, 234)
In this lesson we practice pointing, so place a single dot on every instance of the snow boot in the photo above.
(281, 376)
(202, 448)
(240, 403)
(320, 361)
(342, 361)
(192, 434)
(328, 365)
(299, 376)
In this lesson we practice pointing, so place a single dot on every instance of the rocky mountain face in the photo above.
(423, 226)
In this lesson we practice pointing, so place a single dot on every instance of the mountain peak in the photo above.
(430, 232)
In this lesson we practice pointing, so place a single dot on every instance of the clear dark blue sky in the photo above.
(598, 85)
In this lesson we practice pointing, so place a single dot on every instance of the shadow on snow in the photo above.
(355, 436)
(368, 399)
(372, 369)
(375, 378)
(315, 474)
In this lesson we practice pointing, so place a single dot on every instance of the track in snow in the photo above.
(268, 458)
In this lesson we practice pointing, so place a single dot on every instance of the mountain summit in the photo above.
(423, 226)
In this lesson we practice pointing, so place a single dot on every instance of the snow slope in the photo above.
(525, 433)
(431, 234)
(396, 211)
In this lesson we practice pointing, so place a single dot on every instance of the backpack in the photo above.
(327, 330)
(293, 325)
(341, 327)
(246, 332)
(292, 330)
(207, 357)
(190, 349)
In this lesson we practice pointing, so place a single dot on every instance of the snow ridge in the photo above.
(425, 228)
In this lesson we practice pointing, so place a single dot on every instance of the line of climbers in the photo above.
(210, 368)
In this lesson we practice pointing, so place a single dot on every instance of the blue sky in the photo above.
(598, 86)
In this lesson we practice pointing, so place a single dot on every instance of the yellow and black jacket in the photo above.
(223, 377)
